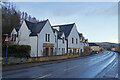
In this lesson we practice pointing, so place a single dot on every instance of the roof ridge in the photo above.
(63, 24)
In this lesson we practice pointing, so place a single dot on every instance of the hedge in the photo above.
(17, 51)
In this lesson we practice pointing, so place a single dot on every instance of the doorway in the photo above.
(46, 51)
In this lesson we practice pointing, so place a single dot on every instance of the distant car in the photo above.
(97, 52)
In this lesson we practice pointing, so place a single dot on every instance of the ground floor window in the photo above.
(46, 52)
(63, 51)
(59, 50)
(55, 51)
(51, 51)
(78, 51)
(14, 37)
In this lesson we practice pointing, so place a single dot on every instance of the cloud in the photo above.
(85, 9)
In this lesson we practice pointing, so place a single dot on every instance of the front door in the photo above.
(46, 51)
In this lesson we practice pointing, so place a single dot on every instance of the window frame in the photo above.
(72, 40)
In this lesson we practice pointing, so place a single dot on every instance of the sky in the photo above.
(98, 21)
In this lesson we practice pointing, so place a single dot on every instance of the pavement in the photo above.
(11, 67)
(102, 65)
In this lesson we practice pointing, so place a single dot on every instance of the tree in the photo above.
(10, 19)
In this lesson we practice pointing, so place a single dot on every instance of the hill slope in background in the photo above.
(106, 44)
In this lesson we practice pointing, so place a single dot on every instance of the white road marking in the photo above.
(71, 68)
(45, 76)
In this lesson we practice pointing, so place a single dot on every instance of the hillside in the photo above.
(106, 44)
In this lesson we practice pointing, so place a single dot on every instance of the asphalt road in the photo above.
(102, 65)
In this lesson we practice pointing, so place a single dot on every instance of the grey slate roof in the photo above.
(59, 34)
(37, 27)
(18, 27)
(33, 27)
(85, 40)
(65, 28)
(29, 24)
(54, 30)
(80, 34)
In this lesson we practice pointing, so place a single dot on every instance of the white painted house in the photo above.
(81, 45)
(38, 35)
(71, 36)
(60, 42)
(47, 40)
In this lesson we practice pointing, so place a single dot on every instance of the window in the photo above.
(72, 40)
(45, 37)
(76, 41)
(48, 37)
(78, 51)
(59, 50)
(13, 37)
(55, 38)
(51, 52)
(55, 51)
(63, 40)
(62, 50)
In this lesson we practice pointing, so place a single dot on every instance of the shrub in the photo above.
(17, 51)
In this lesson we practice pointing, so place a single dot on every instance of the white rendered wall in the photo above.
(56, 44)
(23, 34)
(73, 34)
(33, 44)
(41, 37)
(61, 45)
(14, 32)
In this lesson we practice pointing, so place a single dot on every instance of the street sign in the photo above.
(6, 39)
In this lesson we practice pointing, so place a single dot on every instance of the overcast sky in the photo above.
(98, 21)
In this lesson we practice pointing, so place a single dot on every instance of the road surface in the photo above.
(102, 65)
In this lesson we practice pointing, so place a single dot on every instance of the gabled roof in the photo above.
(29, 24)
(33, 27)
(54, 30)
(18, 27)
(37, 27)
(80, 35)
(65, 28)
(86, 40)
(33, 34)
(59, 34)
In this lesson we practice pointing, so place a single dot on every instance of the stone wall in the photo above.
(52, 58)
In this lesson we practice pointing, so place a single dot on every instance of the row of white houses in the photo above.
(47, 40)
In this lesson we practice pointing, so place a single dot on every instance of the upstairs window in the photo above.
(76, 41)
(46, 37)
(72, 40)
(55, 39)
(13, 37)
(63, 40)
